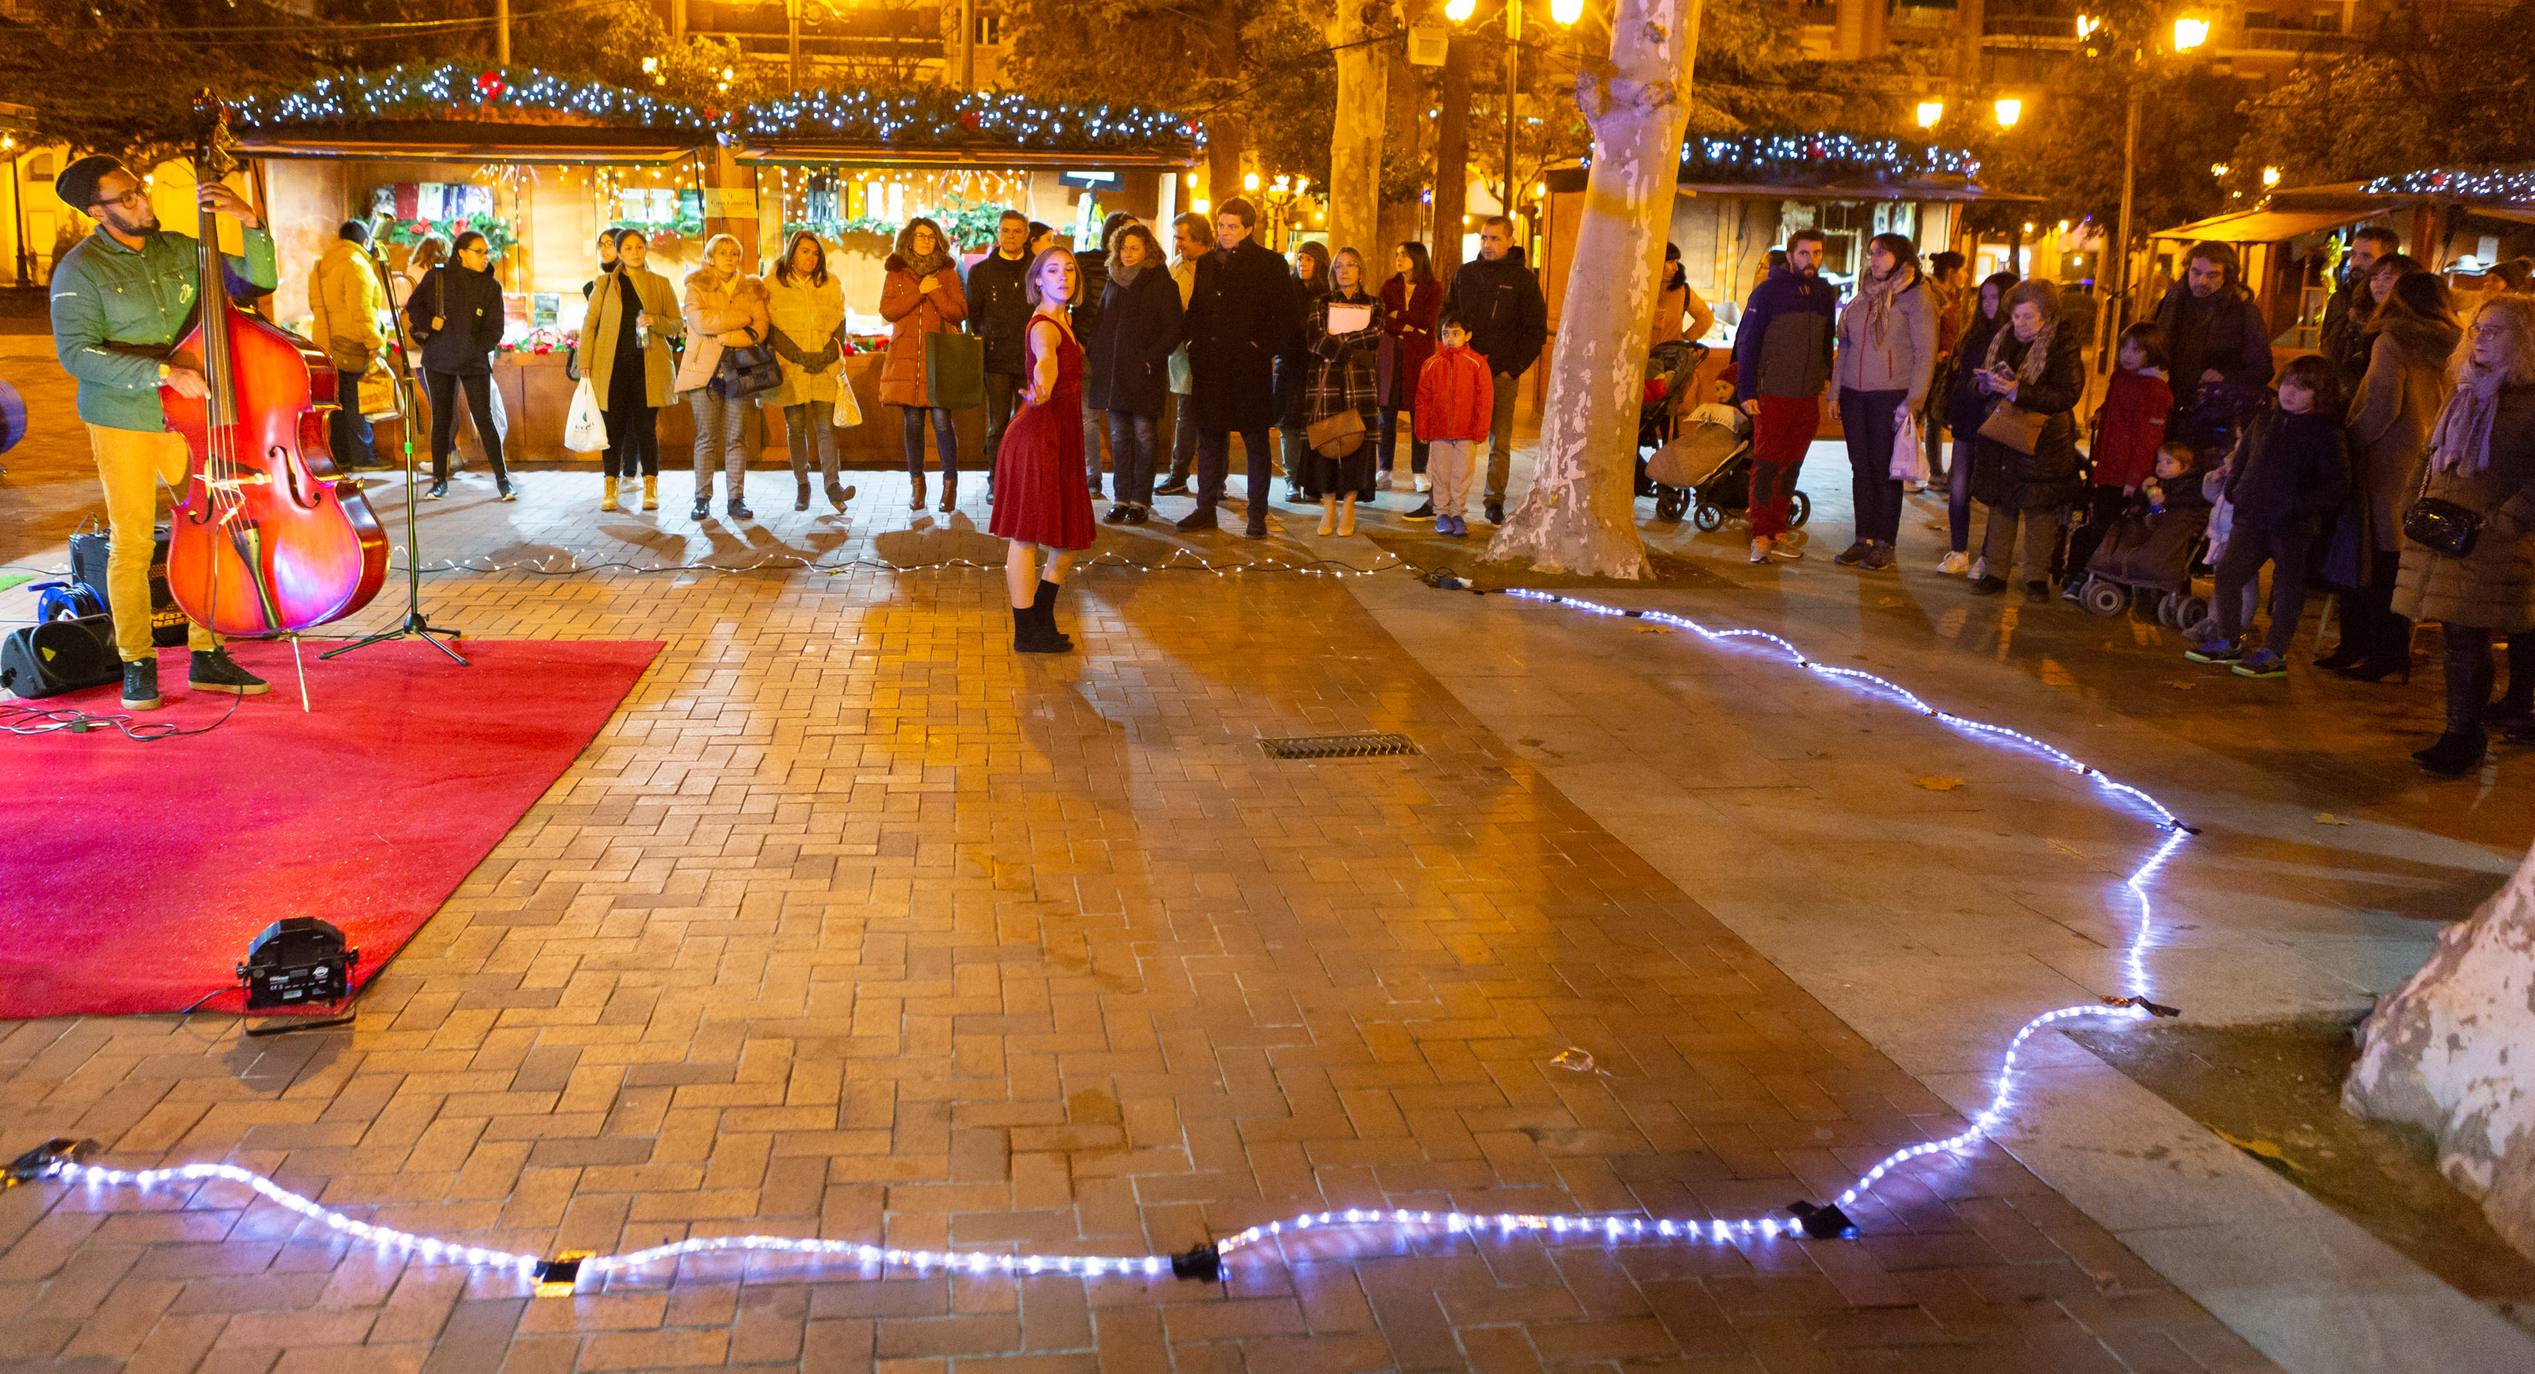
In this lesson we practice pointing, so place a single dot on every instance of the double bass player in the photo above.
(122, 297)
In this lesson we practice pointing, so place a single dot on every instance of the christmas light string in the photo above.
(570, 564)
(61, 1160)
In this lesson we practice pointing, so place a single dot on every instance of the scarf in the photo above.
(937, 261)
(1125, 275)
(2462, 441)
(1878, 293)
(2037, 354)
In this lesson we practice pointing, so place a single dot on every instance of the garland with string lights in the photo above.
(1828, 155)
(2509, 185)
(451, 91)
(64, 1160)
(934, 118)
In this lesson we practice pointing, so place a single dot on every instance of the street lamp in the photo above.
(2007, 110)
(2190, 33)
(2270, 177)
(1566, 12)
(1930, 111)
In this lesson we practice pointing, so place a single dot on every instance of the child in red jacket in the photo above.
(1456, 399)
(2129, 428)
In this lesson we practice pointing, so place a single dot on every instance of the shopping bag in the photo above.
(849, 412)
(501, 412)
(1909, 455)
(954, 370)
(585, 428)
(377, 397)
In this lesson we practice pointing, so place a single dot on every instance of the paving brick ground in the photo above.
(853, 924)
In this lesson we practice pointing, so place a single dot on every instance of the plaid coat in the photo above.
(1345, 372)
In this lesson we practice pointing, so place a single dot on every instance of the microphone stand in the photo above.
(400, 378)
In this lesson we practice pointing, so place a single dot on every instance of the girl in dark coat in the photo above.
(1293, 367)
(1132, 336)
(2034, 365)
(2289, 472)
(1344, 376)
(1411, 298)
(1964, 406)
(456, 313)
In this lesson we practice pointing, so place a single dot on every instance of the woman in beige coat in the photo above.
(2413, 334)
(2482, 460)
(921, 296)
(624, 355)
(726, 309)
(808, 309)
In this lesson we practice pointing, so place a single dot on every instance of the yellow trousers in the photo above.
(131, 464)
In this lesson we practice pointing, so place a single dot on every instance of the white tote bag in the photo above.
(585, 428)
(1909, 455)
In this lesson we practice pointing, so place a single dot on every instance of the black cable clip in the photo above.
(1203, 1262)
(2143, 1004)
(1826, 1222)
(41, 1161)
(557, 1277)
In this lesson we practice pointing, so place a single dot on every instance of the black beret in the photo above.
(77, 185)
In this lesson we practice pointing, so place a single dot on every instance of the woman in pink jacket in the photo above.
(921, 296)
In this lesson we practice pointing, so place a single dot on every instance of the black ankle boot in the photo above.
(1029, 635)
(1043, 606)
(2456, 754)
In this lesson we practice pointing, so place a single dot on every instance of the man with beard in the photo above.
(2218, 355)
(122, 298)
(1782, 360)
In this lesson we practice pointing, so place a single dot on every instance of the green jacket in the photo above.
(116, 312)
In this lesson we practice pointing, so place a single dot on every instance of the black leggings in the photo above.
(443, 390)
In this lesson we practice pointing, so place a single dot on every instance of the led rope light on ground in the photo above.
(570, 564)
(61, 1159)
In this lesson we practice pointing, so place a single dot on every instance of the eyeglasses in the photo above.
(129, 198)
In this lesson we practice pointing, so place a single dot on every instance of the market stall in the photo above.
(540, 164)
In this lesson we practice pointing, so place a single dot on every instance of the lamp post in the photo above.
(1565, 12)
(2189, 33)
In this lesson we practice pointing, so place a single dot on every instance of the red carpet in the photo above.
(132, 876)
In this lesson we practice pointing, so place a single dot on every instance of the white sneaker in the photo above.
(1795, 538)
(1425, 483)
(1954, 563)
(1980, 569)
(1760, 550)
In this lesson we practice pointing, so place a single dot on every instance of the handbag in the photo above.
(2014, 426)
(849, 411)
(749, 370)
(585, 425)
(2440, 525)
(954, 370)
(1336, 435)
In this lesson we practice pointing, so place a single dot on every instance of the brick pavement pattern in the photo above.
(855, 924)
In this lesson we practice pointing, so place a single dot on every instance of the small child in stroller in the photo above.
(2149, 548)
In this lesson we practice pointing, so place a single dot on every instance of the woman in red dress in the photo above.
(1040, 500)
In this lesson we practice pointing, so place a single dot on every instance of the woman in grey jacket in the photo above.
(1887, 354)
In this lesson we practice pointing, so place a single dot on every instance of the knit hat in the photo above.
(77, 185)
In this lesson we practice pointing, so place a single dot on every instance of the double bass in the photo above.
(269, 539)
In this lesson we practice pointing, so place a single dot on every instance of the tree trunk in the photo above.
(1580, 515)
(1355, 138)
(1225, 144)
(1452, 158)
(1406, 120)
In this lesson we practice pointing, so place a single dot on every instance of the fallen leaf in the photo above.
(1890, 601)
(2267, 1151)
(2178, 684)
(2328, 818)
(1654, 629)
(1934, 783)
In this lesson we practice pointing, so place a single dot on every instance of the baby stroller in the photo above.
(1670, 367)
(2152, 553)
(1708, 469)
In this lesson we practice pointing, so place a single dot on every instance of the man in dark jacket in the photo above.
(1782, 360)
(1093, 264)
(1498, 300)
(2218, 354)
(999, 313)
(1241, 309)
(2345, 338)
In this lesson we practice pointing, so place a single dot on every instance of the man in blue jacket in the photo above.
(1782, 360)
(122, 297)
(1498, 300)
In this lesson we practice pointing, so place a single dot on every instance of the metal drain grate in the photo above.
(1339, 747)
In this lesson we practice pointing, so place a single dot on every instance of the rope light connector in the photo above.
(1826, 1222)
(1202, 1263)
(45, 1160)
(2143, 1004)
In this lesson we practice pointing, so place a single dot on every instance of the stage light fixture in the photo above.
(298, 961)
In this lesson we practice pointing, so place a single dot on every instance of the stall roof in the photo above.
(452, 140)
(1922, 188)
(856, 154)
(2261, 226)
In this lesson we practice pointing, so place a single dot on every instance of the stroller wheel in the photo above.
(1708, 517)
(2166, 605)
(1799, 508)
(1670, 502)
(2191, 614)
(2100, 597)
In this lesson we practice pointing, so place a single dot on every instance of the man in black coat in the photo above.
(1241, 309)
(2217, 350)
(1498, 300)
(999, 313)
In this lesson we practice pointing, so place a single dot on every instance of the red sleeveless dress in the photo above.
(1040, 495)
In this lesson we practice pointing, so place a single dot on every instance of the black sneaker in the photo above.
(506, 492)
(2037, 592)
(215, 671)
(1496, 512)
(1115, 515)
(1176, 486)
(1988, 586)
(1853, 555)
(740, 511)
(438, 490)
(140, 685)
(2454, 755)
(703, 511)
(1202, 518)
(1425, 511)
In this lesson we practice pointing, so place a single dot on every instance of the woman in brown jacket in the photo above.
(2481, 458)
(2412, 336)
(921, 296)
